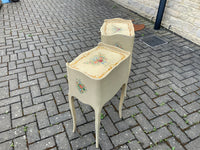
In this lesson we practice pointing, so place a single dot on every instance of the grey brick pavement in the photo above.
(37, 38)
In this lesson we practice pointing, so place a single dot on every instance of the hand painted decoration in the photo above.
(97, 59)
(116, 29)
(81, 87)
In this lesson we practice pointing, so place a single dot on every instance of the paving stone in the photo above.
(83, 141)
(16, 110)
(162, 146)
(42, 99)
(4, 71)
(133, 145)
(129, 112)
(193, 145)
(35, 91)
(126, 124)
(23, 120)
(20, 143)
(132, 102)
(162, 99)
(13, 84)
(102, 138)
(62, 142)
(4, 109)
(26, 100)
(194, 106)
(161, 109)
(6, 145)
(43, 144)
(191, 97)
(33, 109)
(178, 108)
(194, 131)
(144, 123)
(134, 92)
(178, 120)
(146, 111)
(11, 134)
(178, 133)
(59, 97)
(173, 143)
(160, 121)
(19, 91)
(141, 136)
(160, 134)
(63, 107)
(42, 119)
(60, 117)
(87, 128)
(193, 118)
(8, 101)
(51, 108)
(148, 101)
(5, 122)
(32, 132)
(122, 138)
(47, 132)
(109, 126)
(4, 93)
(69, 129)
(112, 113)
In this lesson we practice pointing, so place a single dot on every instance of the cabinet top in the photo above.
(99, 61)
(117, 26)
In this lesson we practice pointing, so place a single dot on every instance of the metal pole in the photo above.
(160, 14)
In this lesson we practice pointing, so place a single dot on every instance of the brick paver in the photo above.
(162, 107)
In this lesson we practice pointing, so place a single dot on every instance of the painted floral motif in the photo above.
(118, 45)
(97, 59)
(116, 29)
(81, 87)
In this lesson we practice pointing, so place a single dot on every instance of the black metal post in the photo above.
(160, 14)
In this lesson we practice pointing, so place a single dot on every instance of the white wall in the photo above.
(182, 16)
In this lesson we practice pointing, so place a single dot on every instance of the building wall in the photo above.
(181, 16)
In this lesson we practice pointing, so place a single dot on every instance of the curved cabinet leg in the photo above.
(97, 124)
(123, 93)
(71, 104)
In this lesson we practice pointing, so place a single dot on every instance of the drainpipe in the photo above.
(160, 14)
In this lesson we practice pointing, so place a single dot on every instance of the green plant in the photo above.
(173, 148)
(172, 110)
(30, 35)
(162, 104)
(184, 115)
(154, 129)
(102, 116)
(65, 76)
(156, 94)
(25, 129)
(114, 6)
(12, 145)
(142, 34)
(186, 121)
